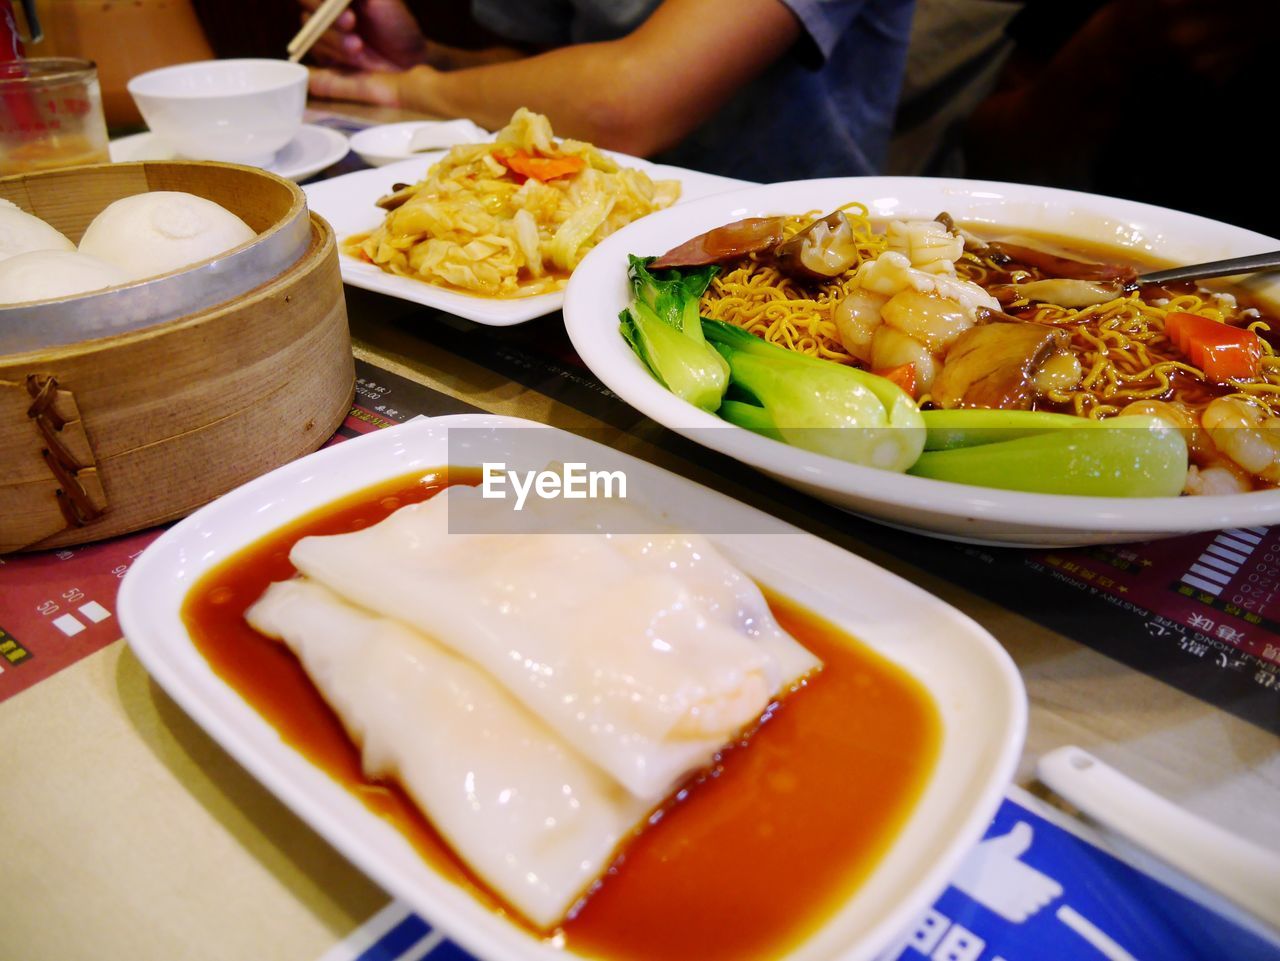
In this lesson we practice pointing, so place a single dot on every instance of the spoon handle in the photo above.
(1238, 869)
(1217, 268)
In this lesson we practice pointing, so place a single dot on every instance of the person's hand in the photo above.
(371, 35)
(365, 86)
(384, 88)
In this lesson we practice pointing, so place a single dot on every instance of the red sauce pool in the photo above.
(745, 861)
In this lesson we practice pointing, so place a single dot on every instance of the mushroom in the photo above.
(1064, 292)
(998, 365)
(729, 242)
(1059, 266)
(400, 194)
(824, 249)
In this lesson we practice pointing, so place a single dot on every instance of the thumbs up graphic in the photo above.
(994, 877)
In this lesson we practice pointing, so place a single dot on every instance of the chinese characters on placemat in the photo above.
(1199, 612)
(57, 607)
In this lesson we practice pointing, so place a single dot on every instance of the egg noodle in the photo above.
(756, 295)
(1126, 356)
(511, 218)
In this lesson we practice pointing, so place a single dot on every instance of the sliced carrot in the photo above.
(904, 375)
(1222, 351)
(541, 168)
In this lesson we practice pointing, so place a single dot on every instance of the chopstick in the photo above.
(314, 28)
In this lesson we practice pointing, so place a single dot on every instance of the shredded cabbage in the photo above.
(475, 224)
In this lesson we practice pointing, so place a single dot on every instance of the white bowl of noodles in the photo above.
(599, 290)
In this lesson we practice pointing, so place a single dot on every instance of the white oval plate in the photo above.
(348, 202)
(390, 142)
(314, 149)
(598, 290)
(976, 688)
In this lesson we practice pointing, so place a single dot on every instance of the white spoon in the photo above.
(1237, 869)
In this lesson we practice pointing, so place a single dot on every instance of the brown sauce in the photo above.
(745, 861)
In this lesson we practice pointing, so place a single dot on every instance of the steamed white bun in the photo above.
(45, 274)
(20, 232)
(154, 233)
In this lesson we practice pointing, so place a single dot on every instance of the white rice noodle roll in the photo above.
(532, 818)
(645, 652)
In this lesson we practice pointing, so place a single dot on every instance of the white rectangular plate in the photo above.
(349, 204)
(977, 690)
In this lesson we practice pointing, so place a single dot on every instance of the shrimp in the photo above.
(1245, 435)
(934, 321)
(1218, 478)
(1199, 446)
(856, 318)
(905, 314)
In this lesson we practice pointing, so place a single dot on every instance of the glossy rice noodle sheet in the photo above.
(537, 694)
(532, 818)
(645, 652)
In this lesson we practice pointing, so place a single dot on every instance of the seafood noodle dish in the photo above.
(510, 218)
(988, 358)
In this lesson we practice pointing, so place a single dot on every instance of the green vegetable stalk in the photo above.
(1133, 456)
(816, 404)
(663, 327)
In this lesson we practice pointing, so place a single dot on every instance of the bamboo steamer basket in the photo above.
(133, 406)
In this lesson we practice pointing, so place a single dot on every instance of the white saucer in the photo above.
(390, 142)
(312, 150)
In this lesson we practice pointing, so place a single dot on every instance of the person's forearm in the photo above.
(638, 95)
(444, 57)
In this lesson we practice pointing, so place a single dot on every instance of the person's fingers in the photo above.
(348, 52)
(345, 20)
(362, 87)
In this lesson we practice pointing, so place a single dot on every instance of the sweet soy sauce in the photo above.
(744, 861)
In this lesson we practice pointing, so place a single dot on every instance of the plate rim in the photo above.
(621, 371)
(337, 145)
(164, 649)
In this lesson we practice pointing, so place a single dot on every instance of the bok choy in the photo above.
(663, 327)
(816, 404)
(1045, 453)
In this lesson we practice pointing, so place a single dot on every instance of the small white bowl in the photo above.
(239, 111)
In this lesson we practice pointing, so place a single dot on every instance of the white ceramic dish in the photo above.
(598, 291)
(237, 110)
(974, 684)
(392, 142)
(312, 150)
(349, 204)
